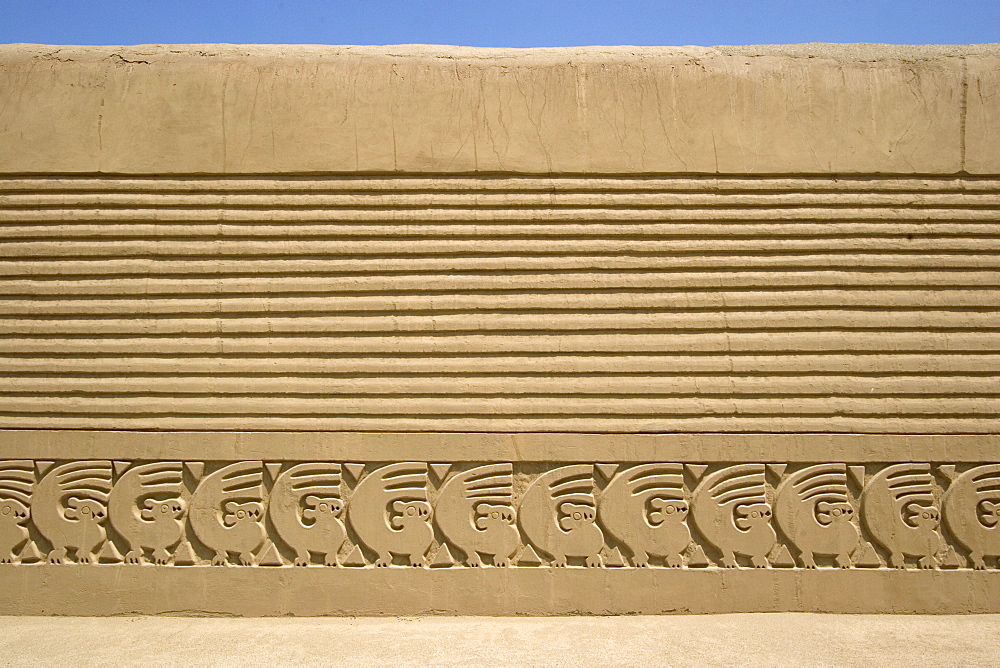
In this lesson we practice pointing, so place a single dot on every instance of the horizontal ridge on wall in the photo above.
(501, 303)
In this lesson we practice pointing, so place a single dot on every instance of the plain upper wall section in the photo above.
(224, 109)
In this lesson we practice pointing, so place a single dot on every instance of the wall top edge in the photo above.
(835, 51)
(228, 109)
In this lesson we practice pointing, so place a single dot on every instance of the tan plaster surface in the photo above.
(412, 330)
(263, 109)
(715, 640)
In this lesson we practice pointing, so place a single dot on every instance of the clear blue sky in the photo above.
(499, 22)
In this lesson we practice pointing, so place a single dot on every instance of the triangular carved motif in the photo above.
(355, 470)
(697, 557)
(270, 556)
(866, 557)
(777, 470)
(196, 469)
(529, 557)
(355, 558)
(781, 557)
(273, 469)
(696, 470)
(952, 559)
(949, 471)
(607, 470)
(30, 554)
(440, 471)
(109, 554)
(443, 558)
(614, 558)
(185, 556)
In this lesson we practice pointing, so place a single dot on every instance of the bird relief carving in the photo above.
(558, 515)
(390, 514)
(306, 505)
(227, 512)
(71, 507)
(475, 512)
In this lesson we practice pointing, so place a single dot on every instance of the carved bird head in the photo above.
(660, 510)
(748, 515)
(160, 511)
(410, 512)
(921, 516)
(827, 513)
(488, 514)
(318, 507)
(988, 513)
(237, 513)
(575, 515)
(85, 510)
(13, 511)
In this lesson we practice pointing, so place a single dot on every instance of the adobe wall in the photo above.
(419, 330)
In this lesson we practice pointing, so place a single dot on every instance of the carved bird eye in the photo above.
(6, 510)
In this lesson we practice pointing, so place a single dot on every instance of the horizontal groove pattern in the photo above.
(500, 303)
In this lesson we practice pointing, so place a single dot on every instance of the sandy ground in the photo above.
(745, 639)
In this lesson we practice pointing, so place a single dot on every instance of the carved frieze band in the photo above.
(254, 513)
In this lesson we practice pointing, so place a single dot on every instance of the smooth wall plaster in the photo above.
(264, 109)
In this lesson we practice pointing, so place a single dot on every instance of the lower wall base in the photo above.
(127, 590)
